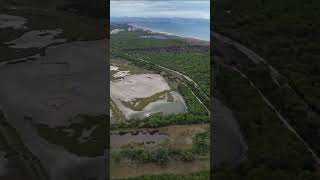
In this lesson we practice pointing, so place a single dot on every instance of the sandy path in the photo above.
(184, 76)
(282, 119)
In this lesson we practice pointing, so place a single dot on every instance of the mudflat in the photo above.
(66, 81)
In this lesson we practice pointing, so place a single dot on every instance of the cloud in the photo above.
(191, 9)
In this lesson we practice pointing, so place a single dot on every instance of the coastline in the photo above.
(191, 39)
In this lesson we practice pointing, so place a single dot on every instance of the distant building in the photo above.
(116, 31)
(132, 29)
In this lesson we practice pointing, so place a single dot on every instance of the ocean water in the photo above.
(188, 27)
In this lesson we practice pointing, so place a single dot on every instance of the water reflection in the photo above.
(147, 138)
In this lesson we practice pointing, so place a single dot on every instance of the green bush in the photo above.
(201, 143)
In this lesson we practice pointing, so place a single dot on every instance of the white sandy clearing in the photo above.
(121, 74)
(116, 31)
(138, 86)
(9, 21)
(36, 39)
(114, 68)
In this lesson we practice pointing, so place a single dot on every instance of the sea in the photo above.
(187, 27)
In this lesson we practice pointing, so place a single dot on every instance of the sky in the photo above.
(161, 8)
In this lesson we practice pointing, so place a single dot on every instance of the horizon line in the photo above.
(159, 17)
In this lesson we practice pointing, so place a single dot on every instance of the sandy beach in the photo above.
(187, 38)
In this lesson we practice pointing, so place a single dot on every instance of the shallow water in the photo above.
(165, 107)
(146, 137)
(29, 87)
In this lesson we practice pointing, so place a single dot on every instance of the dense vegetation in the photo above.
(158, 120)
(128, 40)
(202, 94)
(158, 155)
(286, 35)
(179, 55)
(201, 143)
(164, 153)
(192, 63)
(273, 151)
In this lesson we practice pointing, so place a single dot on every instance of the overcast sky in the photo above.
(161, 8)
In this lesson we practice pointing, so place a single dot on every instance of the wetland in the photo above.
(148, 103)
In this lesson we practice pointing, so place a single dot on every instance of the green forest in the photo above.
(280, 32)
(192, 62)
